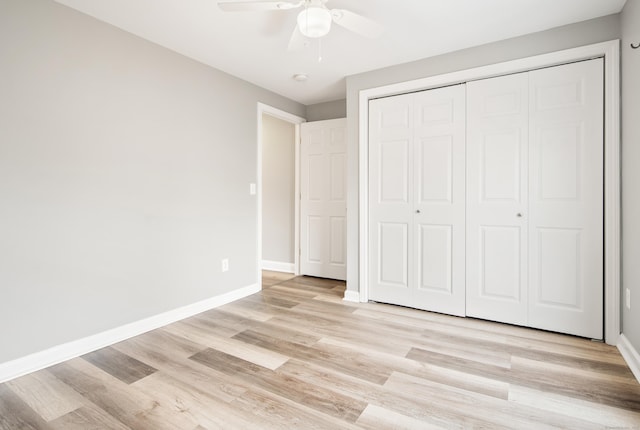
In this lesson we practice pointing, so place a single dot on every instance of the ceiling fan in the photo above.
(314, 21)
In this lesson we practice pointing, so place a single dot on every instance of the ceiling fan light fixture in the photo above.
(314, 21)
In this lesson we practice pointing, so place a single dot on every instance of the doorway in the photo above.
(278, 209)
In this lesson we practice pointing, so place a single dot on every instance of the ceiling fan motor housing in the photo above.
(314, 21)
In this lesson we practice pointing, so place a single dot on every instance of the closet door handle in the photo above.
(417, 211)
(519, 215)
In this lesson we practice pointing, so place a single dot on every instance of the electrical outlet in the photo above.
(225, 264)
(627, 298)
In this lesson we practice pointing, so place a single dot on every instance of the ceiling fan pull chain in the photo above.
(320, 50)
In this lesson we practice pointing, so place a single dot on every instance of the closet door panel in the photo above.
(390, 199)
(416, 200)
(439, 208)
(497, 172)
(566, 199)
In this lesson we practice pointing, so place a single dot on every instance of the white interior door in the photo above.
(323, 209)
(417, 152)
(497, 198)
(566, 199)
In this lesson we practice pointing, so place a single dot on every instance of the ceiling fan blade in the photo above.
(297, 40)
(356, 23)
(250, 6)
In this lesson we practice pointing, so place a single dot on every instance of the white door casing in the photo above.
(417, 200)
(296, 120)
(323, 179)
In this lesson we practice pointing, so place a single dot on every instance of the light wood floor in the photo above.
(297, 356)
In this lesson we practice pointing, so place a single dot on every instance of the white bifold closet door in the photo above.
(323, 199)
(535, 199)
(417, 200)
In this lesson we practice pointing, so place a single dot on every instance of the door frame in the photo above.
(610, 51)
(296, 121)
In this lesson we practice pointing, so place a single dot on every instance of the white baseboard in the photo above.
(351, 296)
(59, 353)
(278, 266)
(630, 355)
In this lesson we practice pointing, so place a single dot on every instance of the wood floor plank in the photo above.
(189, 372)
(476, 383)
(482, 353)
(119, 365)
(295, 290)
(195, 401)
(313, 283)
(272, 301)
(209, 325)
(15, 414)
(405, 403)
(286, 334)
(310, 288)
(230, 321)
(603, 389)
(276, 412)
(249, 352)
(89, 417)
(310, 395)
(606, 416)
(47, 396)
(375, 417)
(245, 311)
(482, 410)
(270, 277)
(124, 403)
(162, 342)
(327, 356)
(601, 362)
(347, 333)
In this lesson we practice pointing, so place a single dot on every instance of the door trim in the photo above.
(610, 51)
(296, 121)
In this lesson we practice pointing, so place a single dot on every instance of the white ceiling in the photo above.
(253, 45)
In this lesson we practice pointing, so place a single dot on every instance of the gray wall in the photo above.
(630, 170)
(570, 36)
(278, 190)
(124, 177)
(327, 110)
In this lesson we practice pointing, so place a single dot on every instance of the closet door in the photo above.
(535, 199)
(439, 200)
(416, 167)
(390, 199)
(566, 199)
(497, 197)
